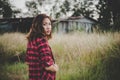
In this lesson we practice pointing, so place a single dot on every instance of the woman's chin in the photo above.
(47, 34)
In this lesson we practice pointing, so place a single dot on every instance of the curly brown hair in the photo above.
(37, 29)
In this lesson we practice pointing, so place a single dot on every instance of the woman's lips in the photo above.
(48, 31)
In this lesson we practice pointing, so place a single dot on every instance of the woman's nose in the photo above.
(48, 27)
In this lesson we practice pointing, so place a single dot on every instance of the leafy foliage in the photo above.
(5, 7)
(109, 14)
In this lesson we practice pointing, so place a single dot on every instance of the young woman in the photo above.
(39, 55)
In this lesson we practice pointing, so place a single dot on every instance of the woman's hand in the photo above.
(56, 66)
(53, 68)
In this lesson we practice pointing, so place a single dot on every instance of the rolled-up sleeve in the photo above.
(45, 56)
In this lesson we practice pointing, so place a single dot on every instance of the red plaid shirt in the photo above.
(39, 55)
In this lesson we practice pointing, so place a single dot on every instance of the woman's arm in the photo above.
(45, 56)
(53, 68)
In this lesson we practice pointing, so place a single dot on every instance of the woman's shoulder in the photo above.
(41, 39)
(38, 40)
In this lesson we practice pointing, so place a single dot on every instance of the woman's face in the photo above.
(47, 26)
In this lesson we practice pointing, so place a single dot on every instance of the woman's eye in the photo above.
(47, 24)
(44, 24)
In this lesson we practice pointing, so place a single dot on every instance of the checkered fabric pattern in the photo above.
(39, 55)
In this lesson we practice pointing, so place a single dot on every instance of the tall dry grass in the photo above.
(84, 56)
(80, 56)
(12, 44)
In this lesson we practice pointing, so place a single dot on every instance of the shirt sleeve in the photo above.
(45, 56)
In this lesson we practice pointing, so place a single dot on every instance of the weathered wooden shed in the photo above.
(15, 24)
(75, 23)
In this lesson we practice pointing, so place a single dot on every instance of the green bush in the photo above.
(16, 71)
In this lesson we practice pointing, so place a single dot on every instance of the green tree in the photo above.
(6, 9)
(105, 16)
(32, 7)
(83, 8)
(109, 14)
(76, 7)
(55, 10)
(115, 10)
(65, 7)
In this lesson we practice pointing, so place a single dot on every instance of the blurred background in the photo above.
(87, 15)
(85, 43)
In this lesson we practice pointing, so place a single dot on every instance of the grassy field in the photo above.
(80, 56)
